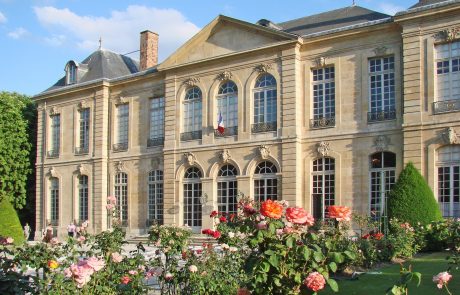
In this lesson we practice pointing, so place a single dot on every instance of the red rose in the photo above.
(299, 216)
(125, 280)
(216, 234)
(366, 236)
(249, 210)
(271, 209)
(378, 236)
(232, 216)
(213, 213)
(223, 219)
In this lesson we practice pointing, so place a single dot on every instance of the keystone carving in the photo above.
(82, 105)
(192, 81)
(121, 100)
(264, 151)
(447, 35)
(320, 61)
(224, 76)
(449, 136)
(54, 111)
(225, 155)
(263, 68)
(53, 172)
(323, 148)
(381, 50)
(381, 143)
(190, 158)
(119, 166)
(81, 169)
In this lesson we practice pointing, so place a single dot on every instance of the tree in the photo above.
(9, 222)
(412, 200)
(15, 147)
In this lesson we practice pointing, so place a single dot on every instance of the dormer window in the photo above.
(71, 73)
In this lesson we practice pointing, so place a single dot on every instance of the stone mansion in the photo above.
(321, 110)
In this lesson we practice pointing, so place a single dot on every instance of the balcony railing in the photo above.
(83, 150)
(324, 122)
(378, 116)
(263, 127)
(52, 154)
(155, 141)
(230, 131)
(190, 135)
(446, 106)
(120, 147)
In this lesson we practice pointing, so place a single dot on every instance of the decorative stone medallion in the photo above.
(190, 158)
(264, 151)
(323, 148)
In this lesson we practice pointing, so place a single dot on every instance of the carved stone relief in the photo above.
(82, 105)
(381, 50)
(224, 76)
(121, 100)
(263, 68)
(320, 61)
(323, 148)
(381, 143)
(190, 158)
(447, 35)
(54, 111)
(192, 81)
(81, 169)
(119, 166)
(449, 136)
(225, 155)
(52, 172)
(264, 151)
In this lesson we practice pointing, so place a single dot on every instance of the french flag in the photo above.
(220, 123)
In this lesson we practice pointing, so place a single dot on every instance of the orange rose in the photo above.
(340, 213)
(52, 264)
(271, 209)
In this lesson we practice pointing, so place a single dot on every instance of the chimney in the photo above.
(149, 50)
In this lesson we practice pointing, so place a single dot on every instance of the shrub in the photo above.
(412, 200)
(9, 222)
(402, 239)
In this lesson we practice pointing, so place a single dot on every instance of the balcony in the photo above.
(52, 154)
(323, 122)
(157, 141)
(190, 135)
(120, 147)
(446, 106)
(83, 150)
(263, 127)
(230, 131)
(379, 116)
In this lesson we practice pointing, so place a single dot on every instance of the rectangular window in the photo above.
(157, 121)
(54, 198)
(382, 89)
(448, 71)
(323, 97)
(192, 116)
(83, 197)
(122, 128)
(84, 131)
(155, 192)
(55, 135)
(228, 106)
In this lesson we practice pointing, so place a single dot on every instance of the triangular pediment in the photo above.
(225, 36)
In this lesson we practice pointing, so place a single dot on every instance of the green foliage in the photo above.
(9, 222)
(402, 286)
(412, 200)
(15, 147)
(169, 238)
(401, 240)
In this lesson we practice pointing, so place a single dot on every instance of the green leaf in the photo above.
(290, 242)
(333, 266)
(265, 266)
(272, 228)
(277, 282)
(298, 278)
(350, 255)
(306, 252)
(337, 257)
(318, 256)
(274, 260)
(333, 284)
(418, 276)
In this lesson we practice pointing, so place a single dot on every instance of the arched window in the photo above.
(382, 177)
(83, 197)
(448, 164)
(54, 200)
(227, 189)
(265, 114)
(155, 209)
(192, 197)
(323, 181)
(192, 114)
(121, 193)
(71, 73)
(265, 182)
(227, 107)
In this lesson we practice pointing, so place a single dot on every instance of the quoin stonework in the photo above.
(321, 110)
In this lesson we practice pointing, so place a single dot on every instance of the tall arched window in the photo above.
(71, 73)
(192, 114)
(323, 180)
(227, 106)
(448, 164)
(192, 195)
(382, 177)
(155, 209)
(54, 200)
(265, 182)
(83, 197)
(227, 189)
(265, 114)
(121, 193)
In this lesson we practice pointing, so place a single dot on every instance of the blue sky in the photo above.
(38, 37)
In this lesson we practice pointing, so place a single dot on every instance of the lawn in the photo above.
(427, 264)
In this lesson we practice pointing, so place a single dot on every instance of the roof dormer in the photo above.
(71, 72)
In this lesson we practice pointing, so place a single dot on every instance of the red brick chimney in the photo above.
(149, 50)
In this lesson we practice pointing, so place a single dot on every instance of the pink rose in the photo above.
(168, 276)
(132, 272)
(54, 241)
(85, 224)
(116, 257)
(9, 240)
(112, 200)
(193, 268)
(68, 273)
(298, 215)
(442, 278)
(315, 281)
(125, 280)
(261, 225)
(81, 239)
(339, 213)
(96, 264)
(110, 206)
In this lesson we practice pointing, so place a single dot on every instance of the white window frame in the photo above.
(123, 123)
(121, 193)
(55, 133)
(155, 209)
(54, 199)
(83, 198)
(265, 180)
(261, 93)
(447, 66)
(323, 182)
(382, 103)
(227, 189)
(227, 103)
(386, 177)
(157, 118)
(323, 79)
(193, 110)
(84, 128)
(449, 161)
(192, 193)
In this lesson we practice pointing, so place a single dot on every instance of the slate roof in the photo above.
(331, 20)
(426, 2)
(101, 64)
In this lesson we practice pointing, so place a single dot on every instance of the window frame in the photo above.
(156, 121)
(385, 108)
(266, 182)
(264, 97)
(155, 193)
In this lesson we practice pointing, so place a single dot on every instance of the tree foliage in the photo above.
(15, 147)
(9, 222)
(412, 200)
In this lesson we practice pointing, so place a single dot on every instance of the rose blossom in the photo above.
(243, 291)
(112, 200)
(340, 213)
(68, 273)
(271, 209)
(193, 268)
(233, 249)
(442, 278)
(81, 239)
(213, 213)
(298, 215)
(261, 225)
(231, 235)
(96, 264)
(85, 224)
(116, 257)
(223, 219)
(315, 281)
(216, 234)
(168, 276)
(225, 247)
(110, 206)
(378, 236)
(9, 240)
(125, 280)
(53, 264)
(54, 241)
(133, 272)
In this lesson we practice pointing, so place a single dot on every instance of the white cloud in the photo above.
(2, 18)
(18, 33)
(55, 40)
(120, 31)
(390, 9)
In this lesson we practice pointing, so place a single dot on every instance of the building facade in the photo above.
(321, 110)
